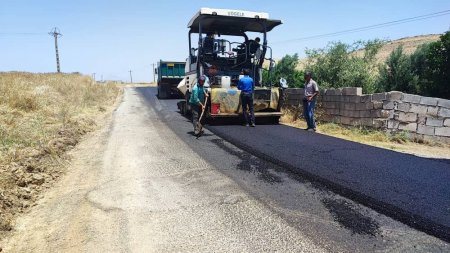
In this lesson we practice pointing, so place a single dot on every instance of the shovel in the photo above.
(199, 124)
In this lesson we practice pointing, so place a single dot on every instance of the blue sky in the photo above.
(111, 37)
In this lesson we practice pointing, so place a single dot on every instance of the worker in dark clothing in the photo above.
(246, 86)
(197, 102)
(253, 45)
(208, 44)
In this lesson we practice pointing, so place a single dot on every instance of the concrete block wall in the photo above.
(393, 111)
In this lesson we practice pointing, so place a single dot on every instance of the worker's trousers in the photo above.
(308, 112)
(196, 110)
(247, 104)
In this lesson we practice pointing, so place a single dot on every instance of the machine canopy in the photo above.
(231, 22)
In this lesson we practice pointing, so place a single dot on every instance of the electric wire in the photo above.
(371, 27)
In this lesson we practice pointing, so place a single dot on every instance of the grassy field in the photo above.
(41, 117)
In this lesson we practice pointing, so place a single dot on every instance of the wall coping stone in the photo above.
(411, 98)
(394, 96)
(352, 91)
(428, 101)
(444, 103)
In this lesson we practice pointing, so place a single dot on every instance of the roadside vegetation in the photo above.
(426, 71)
(41, 117)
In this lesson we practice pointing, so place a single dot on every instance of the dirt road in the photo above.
(135, 187)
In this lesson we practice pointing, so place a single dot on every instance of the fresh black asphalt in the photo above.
(408, 188)
(412, 189)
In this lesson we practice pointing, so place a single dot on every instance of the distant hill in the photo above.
(409, 45)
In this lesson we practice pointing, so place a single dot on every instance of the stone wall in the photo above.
(426, 117)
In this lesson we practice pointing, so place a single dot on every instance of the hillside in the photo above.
(409, 45)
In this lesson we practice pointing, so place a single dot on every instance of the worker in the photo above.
(253, 45)
(208, 43)
(246, 86)
(197, 102)
(309, 101)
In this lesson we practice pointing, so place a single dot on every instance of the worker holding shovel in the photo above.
(198, 104)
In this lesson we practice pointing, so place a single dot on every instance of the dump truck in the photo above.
(170, 73)
(222, 43)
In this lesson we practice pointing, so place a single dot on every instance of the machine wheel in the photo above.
(275, 120)
(185, 110)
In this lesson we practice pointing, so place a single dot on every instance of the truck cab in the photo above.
(222, 43)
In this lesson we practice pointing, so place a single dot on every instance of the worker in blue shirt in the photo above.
(246, 86)
(197, 102)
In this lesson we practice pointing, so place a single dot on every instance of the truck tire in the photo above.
(162, 93)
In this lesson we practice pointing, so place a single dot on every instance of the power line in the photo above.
(365, 28)
(21, 33)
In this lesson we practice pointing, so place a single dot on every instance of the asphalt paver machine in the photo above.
(222, 43)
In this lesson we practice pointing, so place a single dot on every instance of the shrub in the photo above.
(344, 65)
(397, 73)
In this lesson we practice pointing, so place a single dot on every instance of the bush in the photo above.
(344, 65)
(397, 73)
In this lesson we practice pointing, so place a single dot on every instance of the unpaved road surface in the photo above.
(145, 184)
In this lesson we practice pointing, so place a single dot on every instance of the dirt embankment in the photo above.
(409, 44)
(41, 117)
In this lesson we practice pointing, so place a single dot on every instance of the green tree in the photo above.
(397, 73)
(420, 66)
(436, 79)
(286, 68)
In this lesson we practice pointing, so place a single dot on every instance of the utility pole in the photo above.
(154, 72)
(93, 76)
(131, 77)
(56, 34)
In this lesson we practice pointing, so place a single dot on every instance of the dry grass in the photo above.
(41, 117)
(399, 142)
